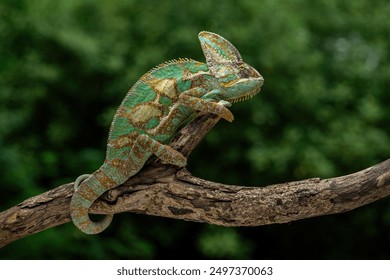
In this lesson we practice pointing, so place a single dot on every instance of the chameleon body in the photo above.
(157, 104)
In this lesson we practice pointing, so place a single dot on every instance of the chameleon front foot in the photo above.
(209, 106)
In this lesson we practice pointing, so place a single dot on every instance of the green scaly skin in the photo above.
(155, 107)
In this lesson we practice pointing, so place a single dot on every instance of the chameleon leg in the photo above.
(205, 105)
(144, 144)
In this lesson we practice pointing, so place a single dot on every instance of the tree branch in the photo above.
(163, 190)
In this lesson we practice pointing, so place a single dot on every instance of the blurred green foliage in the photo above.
(324, 111)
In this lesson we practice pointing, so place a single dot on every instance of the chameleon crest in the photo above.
(154, 108)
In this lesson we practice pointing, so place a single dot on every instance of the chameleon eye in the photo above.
(244, 72)
(247, 71)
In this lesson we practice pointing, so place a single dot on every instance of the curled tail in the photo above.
(115, 172)
(89, 190)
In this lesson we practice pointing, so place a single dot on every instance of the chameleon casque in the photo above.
(153, 109)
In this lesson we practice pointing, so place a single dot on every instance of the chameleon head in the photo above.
(238, 80)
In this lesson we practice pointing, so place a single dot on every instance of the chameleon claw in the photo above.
(227, 115)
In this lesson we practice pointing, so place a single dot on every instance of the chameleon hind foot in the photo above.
(167, 154)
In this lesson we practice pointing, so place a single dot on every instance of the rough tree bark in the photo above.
(166, 191)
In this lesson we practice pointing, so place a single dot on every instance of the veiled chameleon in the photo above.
(157, 104)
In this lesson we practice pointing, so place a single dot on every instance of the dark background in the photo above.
(323, 112)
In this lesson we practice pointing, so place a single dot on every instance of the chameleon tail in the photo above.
(90, 189)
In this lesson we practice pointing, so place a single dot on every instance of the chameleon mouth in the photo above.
(243, 98)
